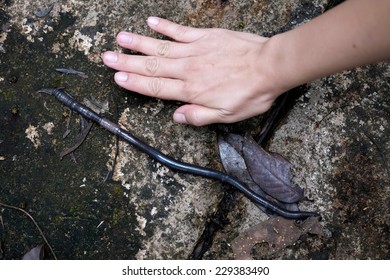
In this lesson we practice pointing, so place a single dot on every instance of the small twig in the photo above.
(67, 131)
(111, 172)
(35, 223)
(82, 136)
(1, 221)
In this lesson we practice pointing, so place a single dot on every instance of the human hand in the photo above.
(224, 76)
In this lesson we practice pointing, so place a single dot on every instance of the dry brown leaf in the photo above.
(277, 232)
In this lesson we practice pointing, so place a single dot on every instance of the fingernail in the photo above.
(120, 77)
(110, 57)
(179, 118)
(153, 20)
(124, 39)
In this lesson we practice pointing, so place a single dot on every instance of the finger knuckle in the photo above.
(163, 49)
(155, 86)
(195, 118)
(152, 65)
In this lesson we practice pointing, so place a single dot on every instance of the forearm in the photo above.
(352, 34)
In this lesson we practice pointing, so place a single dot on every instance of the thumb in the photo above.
(197, 115)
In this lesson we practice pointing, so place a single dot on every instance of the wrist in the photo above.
(282, 73)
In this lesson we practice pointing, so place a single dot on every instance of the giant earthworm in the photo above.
(168, 161)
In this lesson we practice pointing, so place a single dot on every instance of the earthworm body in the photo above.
(168, 161)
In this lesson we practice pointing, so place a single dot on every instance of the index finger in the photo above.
(151, 46)
(178, 32)
(163, 48)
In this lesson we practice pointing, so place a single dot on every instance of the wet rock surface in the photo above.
(336, 137)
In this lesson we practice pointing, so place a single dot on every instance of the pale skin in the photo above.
(226, 76)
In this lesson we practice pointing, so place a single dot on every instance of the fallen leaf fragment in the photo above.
(277, 232)
(35, 253)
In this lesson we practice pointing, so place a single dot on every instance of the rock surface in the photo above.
(336, 137)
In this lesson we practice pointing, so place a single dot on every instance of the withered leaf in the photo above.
(35, 253)
(277, 232)
(230, 146)
(230, 149)
(271, 172)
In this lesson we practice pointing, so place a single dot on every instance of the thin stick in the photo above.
(35, 223)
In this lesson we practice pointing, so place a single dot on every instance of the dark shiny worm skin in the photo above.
(170, 162)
